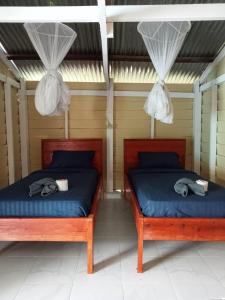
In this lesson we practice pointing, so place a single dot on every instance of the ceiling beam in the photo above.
(114, 13)
(112, 57)
(48, 14)
(104, 39)
(162, 13)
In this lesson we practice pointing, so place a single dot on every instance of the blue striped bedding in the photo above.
(76, 202)
(156, 196)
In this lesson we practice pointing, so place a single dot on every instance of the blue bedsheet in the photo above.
(76, 202)
(156, 196)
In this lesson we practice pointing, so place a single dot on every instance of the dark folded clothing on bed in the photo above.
(185, 185)
(44, 186)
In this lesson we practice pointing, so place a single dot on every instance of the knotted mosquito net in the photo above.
(163, 41)
(52, 41)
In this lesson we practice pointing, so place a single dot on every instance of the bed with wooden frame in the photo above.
(79, 229)
(165, 228)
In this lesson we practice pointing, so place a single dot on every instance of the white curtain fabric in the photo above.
(163, 41)
(52, 41)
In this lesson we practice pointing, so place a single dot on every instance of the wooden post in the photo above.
(197, 106)
(66, 124)
(140, 245)
(90, 245)
(213, 131)
(9, 131)
(152, 128)
(23, 128)
(109, 116)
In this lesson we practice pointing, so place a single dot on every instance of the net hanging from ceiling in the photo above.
(52, 41)
(163, 41)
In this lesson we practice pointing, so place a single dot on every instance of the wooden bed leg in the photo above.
(90, 250)
(140, 246)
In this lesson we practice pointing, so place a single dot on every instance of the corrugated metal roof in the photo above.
(94, 2)
(205, 39)
(15, 38)
(92, 71)
(159, 2)
(47, 2)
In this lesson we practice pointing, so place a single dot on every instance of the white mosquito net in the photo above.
(52, 41)
(163, 41)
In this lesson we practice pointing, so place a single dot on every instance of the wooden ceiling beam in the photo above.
(112, 57)
(114, 13)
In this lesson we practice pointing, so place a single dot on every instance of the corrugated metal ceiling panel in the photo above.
(94, 2)
(91, 71)
(47, 2)
(204, 40)
(15, 39)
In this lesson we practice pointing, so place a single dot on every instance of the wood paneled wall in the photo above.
(205, 135)
(132, 122)
(4, 170)
(87, 119)
(220, 158)
(41, 128)
(206, 122)
(16, 134)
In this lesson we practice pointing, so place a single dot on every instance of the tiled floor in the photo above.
(57, 271)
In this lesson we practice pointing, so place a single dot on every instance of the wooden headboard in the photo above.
(50, 145)
(133, 146)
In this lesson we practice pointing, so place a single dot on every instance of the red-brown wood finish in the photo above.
(50, 145)
(60, 229)
(133, 146)
(191, 229)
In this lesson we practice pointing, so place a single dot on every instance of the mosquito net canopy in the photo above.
(52, 41)
(163, 41)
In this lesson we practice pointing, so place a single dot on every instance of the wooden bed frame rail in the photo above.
(153, 228)
(60, 229)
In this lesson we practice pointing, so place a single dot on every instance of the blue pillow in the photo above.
(159, 160)
(72, 159)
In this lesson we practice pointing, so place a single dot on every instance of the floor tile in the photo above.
(104, 268)
(142, 291)
(61, 249)
(95, 289)
(25, 249)
(52, 270)
(44, 292)
(173, 270)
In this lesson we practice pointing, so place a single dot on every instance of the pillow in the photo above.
(72, 159)
(159, 160)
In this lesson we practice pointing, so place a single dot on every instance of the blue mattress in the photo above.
(156, 196)
(76, 202)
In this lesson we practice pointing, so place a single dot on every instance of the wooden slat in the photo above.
(86, 124)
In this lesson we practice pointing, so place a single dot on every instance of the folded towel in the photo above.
(181, 188)
(184, 185)
(44, 186)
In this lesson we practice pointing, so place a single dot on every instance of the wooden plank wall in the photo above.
(87, 119)
(4, 172)
(220, 157)
(16, 134)
(132, 122)
(206, 138)
(205, 135)
(4, 177)
(87, 114)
